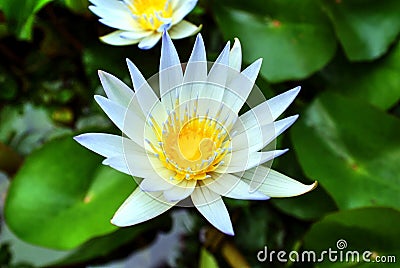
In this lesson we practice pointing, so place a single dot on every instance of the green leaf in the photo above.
(207, 260)
(367, 229)
(294, 37)
(304, 206)
(352, 149)
(62, 197)
(377, 82)
(78, 6)
(102, 247)
(365, 28)
(20, 15)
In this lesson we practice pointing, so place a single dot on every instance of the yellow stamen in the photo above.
(190, 145)
(150, 13)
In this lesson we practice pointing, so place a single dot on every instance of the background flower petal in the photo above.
(149, 41)
(183, 29)
(115, 39)
(181, 8)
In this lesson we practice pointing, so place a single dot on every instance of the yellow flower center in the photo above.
(151, 14)
(189, 144)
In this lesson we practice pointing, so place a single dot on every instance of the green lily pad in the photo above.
(62, 196)
(111, 244)
(294, 37)
(304, 206)
(20, 15)
(365, 28)
(377, 82)
(364, 230)
(352, 149)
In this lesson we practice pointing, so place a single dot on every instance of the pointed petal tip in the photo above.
(80, 138)
(228, 232)
(308, 188)
(296, 90)
(281, 152)
(99, 99)
(291, 119)
(199, 36)
(117, 222)
(236, 43)
(129, 63)
(314, 185)
(77, 137)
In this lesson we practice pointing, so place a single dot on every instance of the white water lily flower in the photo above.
(190, 143)
(143, 21)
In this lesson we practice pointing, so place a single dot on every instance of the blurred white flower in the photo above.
(191, 142)
(142, 22)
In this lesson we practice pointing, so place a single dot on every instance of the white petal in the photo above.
(108, 145)
(110, 13)
(243, 161)
(145, 96)
(195, 73)
(275, 184)
(155, 184)
(235, 57)
(108, 4)
(279, 104)
(233, 187)
(241, 86)
(140, 207)
(220, 69)
(115, 39)
(118, 18)
(136, 164)
(180, 191)
(115, 89)
(183, 29)
(211, 206)
(196, 69)
(181, 8)
(118, 24)
(267, 111)
(126, 120)
(149, 41)
(117, 163)
(212, 92)
(136, 35)
(257, 137)
(170, 72)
